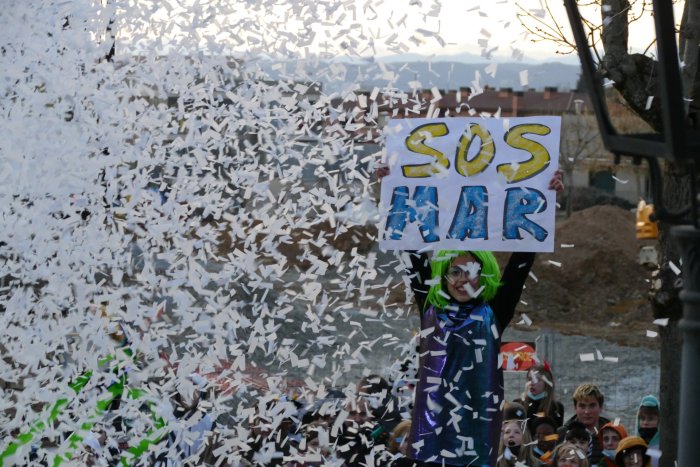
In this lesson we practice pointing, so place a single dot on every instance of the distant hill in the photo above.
(337, 76)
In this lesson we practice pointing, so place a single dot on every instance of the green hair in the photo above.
(490, 277)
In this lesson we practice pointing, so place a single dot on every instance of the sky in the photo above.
(475, 27)
(489, 29)
(468, 30)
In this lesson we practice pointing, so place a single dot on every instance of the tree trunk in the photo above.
(569, 184)
(635, 77)
(666, 304)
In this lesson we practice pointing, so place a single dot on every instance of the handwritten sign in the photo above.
(470, 184)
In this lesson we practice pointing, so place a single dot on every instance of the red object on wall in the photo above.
(518, 356)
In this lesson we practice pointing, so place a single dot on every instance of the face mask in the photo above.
(536, 397)
(374, 401)
(609, 453)
(512, 452)
(647, 433)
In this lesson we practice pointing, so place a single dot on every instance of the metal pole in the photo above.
(688, 237)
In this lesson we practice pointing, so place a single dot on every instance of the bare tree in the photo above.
(580, 140)
(634, 76)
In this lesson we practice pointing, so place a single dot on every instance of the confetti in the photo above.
(661, 322)
(524, 319)
(650, 99)
(524, 81)
(676, 270)
(197, 217)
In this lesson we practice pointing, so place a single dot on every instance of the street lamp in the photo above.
(679, 143)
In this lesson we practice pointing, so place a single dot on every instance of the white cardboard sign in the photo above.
(470, 184)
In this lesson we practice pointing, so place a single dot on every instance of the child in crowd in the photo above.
(588, 404)
(578, 435)
(398, 445)
(610, 436)
(631, 452)
(516, 444)
(568, 455)
(545, 433)
(538, 397)
(648, 426)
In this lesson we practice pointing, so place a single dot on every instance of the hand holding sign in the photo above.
(471, 184)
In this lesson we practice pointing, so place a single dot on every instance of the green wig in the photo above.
(490, 277)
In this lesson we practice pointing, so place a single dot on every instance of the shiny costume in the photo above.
(457, 417)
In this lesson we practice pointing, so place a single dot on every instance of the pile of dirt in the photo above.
(593, 284)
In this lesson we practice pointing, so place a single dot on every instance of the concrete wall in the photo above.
(632, 183)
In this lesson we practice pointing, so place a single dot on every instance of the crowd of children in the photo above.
(373, 428)
(585, 439)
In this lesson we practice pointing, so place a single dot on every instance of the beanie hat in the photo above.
(629, 444)
(619, 429)
(650, 401)
(513, 411)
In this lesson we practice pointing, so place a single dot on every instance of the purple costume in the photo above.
(457, 411)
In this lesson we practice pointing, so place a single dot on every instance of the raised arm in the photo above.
(512, 280)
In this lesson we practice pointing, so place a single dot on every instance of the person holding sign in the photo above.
(465, 304)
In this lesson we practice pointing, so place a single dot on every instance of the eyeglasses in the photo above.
(465, 271)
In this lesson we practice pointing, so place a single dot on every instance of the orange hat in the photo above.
(618, 428)
(628, 444)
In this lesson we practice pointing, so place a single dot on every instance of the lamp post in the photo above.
(678, 143)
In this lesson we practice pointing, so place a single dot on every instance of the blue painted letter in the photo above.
(519, 203)
(471, 217)
(423, 208)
